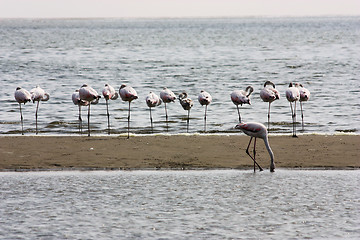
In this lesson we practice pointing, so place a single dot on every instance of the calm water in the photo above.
(216, 204)
(217, 55)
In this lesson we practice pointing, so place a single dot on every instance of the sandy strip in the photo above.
(178, 151)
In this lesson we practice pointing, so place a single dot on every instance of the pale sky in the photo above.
(174, 8)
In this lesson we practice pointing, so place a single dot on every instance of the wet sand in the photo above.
(175, 152)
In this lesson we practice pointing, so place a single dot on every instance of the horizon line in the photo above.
(188, 17)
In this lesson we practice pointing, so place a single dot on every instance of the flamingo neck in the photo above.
(266, 141)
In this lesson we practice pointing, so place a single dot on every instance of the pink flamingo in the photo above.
(77, 101)
(269, 94)
(22, 96)
(167, 96)
(128, 94)
(88, 94)
(109, 93)
(38, 94)
(304, 96)
(293, 95)
(257, 130)
(241, 97)
(187, 104)
(204, 99)
(152, 100)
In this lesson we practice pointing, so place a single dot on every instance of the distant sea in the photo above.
(218, 55)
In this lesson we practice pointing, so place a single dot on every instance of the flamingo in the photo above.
(269, 94)
(128, 94)
(204, 99)
(241, 97)
(77, 101)
(109, 93)
(88, 94)
(293, 95)
(38, 94)
(304, 96)
(22, 96)
(257, 130)
(152, 100)
(167, 96)
(187, 104)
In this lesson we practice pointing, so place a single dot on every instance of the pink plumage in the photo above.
(257, 130)
(269, 94)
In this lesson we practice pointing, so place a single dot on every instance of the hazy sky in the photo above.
(175, 8)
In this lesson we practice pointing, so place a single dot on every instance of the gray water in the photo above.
(216, 55)
(215, 204)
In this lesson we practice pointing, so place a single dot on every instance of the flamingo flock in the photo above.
(87, 96)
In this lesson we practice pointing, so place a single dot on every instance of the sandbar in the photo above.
(23, 153)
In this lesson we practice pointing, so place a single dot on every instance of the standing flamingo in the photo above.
(167, 96)
(77, 101)
(88, 94)
(293, 95)
(128, 94)
(269, 94)
(257, 130)
(109, 93)
(187, 104)
(22, 96)
(152, 100)
(241, 97)
(38, 94)
(304, 96)
(204, 99)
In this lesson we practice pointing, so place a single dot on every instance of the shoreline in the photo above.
(175, 152)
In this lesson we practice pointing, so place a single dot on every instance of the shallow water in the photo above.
(215, 204)
(217, 55)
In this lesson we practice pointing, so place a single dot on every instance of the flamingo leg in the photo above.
(89, 120)
(302, 116)
(253, 158)
(108, 115)
(36, 116)
(80, 120)
(129, 122)
(269, 118)
(151, 120)
(292, 115)
(166, 115)
(205, 118)
(188, 120)
(295, 119)
(22, 121)
(254, 151)
(237, 106)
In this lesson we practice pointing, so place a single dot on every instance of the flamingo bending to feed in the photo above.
(167, 96)
(128, 94)
(241, 97)
(269, 94)
(257, 130)
(304, 96)
(38, 94)
(187, 104)
(88, 94)
(109, 93)
(204, 99)
(152, 100)
(293, 95)
(22, 96)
